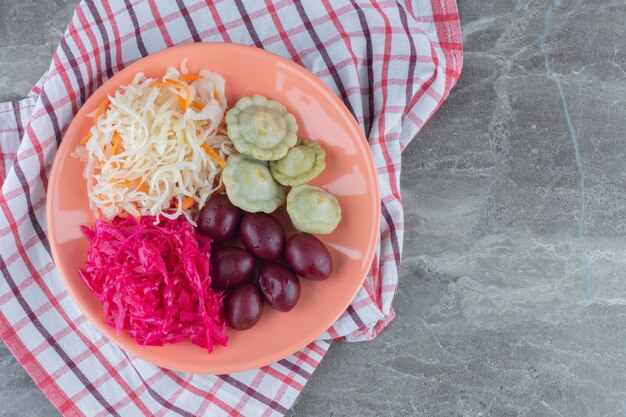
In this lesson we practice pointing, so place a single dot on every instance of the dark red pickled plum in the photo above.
(230, 267)
(280, 286)
(219, 218)
(308, 257)
(243, 307)
(262, 235)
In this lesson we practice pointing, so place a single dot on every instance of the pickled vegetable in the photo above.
(219, 218)
(262, 235)
(313, 209)
(302, 163)
(262, 128)
(243, 307)
(280, 286)
(230, 267)
(250, 186)
(308, 257)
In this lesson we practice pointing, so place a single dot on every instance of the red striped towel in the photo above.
(392, 63)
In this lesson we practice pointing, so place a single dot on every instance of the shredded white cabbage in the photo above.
(146, 156)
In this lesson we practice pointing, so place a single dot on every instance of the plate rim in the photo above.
(140, 351)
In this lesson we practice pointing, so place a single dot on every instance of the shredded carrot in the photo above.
(168, 83)
(216, 95)
(102, 108)
(86, 138)
(182, 103)
(123, 214)
(188, 202)
(142, 186)
(178, 86)
(116, 142)
(197, 106)
(213, 154)
(189, 77)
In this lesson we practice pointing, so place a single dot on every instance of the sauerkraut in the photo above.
(153, 281)
(157, 146)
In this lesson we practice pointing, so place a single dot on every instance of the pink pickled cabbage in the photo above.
(153, 281)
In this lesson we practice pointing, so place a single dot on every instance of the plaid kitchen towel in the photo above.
(392, 63)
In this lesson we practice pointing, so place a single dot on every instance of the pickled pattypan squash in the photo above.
(261, 128)
(302, 163)
(313, 210)
(250, 186)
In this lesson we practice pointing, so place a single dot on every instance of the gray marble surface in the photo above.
(512, 299)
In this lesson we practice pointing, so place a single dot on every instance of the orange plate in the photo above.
(349, 174)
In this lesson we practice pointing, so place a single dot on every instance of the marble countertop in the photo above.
(512, 298)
